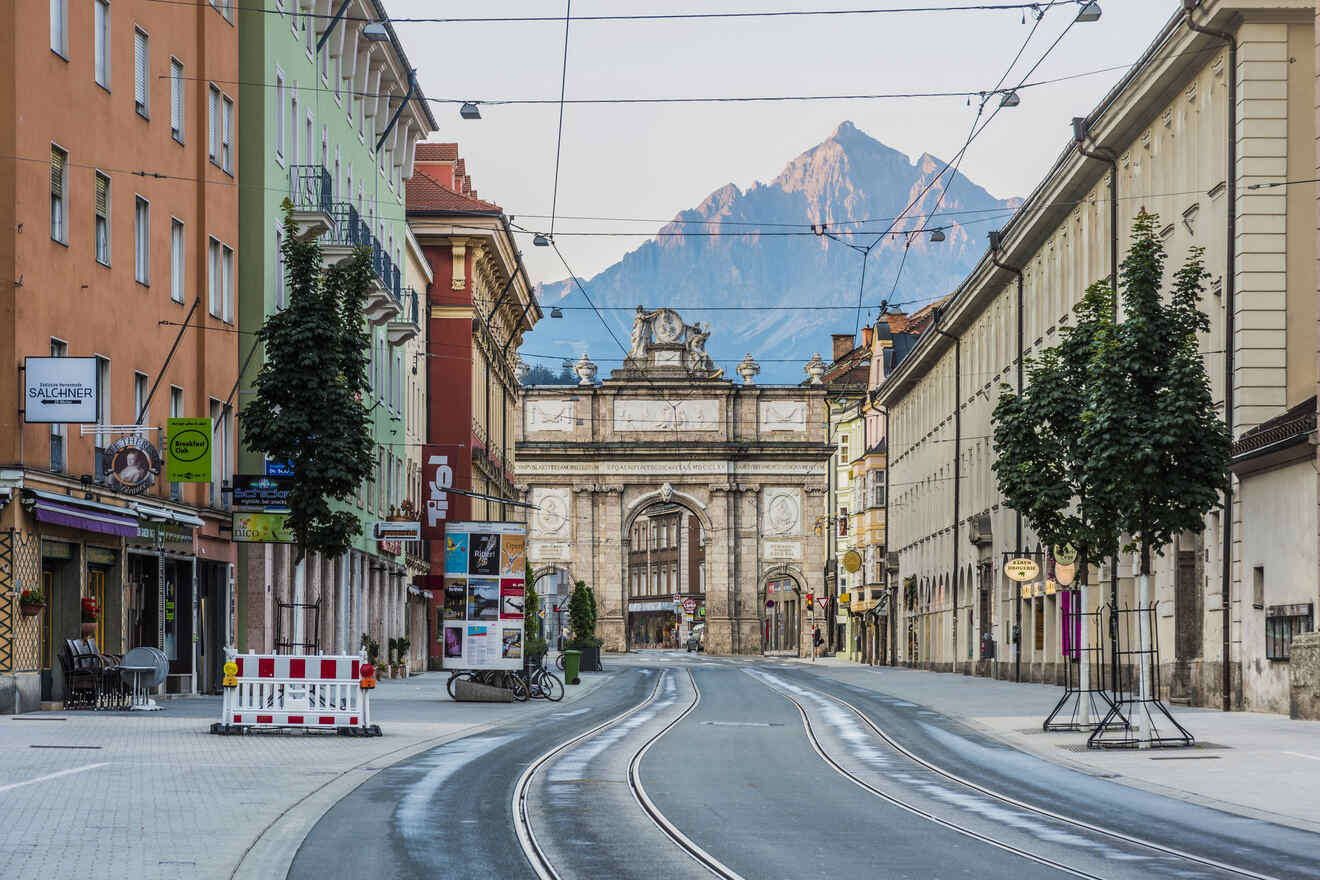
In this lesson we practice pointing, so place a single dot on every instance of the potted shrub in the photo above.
(401, 654)
(372, 647)
(30, 602)
(91, 613)
(582, 621)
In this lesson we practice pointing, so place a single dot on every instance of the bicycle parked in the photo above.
(542, 683)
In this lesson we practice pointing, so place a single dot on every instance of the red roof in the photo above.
(425, 193)
(436, 152)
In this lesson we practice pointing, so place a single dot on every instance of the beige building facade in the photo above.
(1165, 131)
(748, 462)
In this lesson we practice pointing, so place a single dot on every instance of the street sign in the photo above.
(852, 561)
(1021, 569)
(1065, 555)
(689, 605)
(396, 530)
(59, 390)
(278, 468)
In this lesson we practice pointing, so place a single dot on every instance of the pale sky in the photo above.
(651, 161)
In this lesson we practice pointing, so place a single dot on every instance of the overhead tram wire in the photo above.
(656, 16)
(559, 136)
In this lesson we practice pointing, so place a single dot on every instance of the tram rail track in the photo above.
(907, 753)
(536, 853)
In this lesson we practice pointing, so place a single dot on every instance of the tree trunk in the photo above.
(1143, 627)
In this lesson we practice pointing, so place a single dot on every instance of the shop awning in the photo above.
(164, 514)
(63, 510)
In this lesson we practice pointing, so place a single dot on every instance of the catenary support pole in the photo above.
(996, 245)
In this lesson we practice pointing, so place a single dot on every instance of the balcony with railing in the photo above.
(347, 233)
(312, 193)
(384, 302)
(408, 322)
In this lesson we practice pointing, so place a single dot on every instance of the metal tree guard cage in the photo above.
(1133, 721)
(1066, 714)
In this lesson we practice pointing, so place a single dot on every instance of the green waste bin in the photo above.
(572, 661)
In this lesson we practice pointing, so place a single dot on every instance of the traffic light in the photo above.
(556, 609)
(811, 600)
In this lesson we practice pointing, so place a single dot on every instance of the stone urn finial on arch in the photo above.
(586, 371)
(815, 369)
(748, 369)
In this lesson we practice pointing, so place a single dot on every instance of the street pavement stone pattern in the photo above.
(164, 798)
(1252, 763)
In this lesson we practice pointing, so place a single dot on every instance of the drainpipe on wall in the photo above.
(1229, 289)
(1081, 132)
(957, 468)
(996, 245)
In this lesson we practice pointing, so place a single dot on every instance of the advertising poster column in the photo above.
(484, 595)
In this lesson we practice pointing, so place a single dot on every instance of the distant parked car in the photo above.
(696, 640)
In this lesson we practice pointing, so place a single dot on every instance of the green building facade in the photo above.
(329, 116)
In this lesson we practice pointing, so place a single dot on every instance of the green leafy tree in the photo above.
(533, 638)
(1159, 451)
(308, 406)
(1042, 465)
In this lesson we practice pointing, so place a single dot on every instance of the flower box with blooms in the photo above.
(30, 602)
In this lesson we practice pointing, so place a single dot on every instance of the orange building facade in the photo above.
(118, 238)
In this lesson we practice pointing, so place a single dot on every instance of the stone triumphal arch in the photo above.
(668, 480)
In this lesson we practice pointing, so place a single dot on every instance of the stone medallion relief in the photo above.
(553, 519)
(781, 512)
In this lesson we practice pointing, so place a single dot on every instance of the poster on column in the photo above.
(484, 595)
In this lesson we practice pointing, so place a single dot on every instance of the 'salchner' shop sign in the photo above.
(59, 390)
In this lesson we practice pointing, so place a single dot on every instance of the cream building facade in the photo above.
(748, 461)
(1165, 131)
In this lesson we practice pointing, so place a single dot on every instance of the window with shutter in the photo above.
(59, 26)
(58, 161)
(140, 65)
(102, 218)
(176, 100)
(142, 249)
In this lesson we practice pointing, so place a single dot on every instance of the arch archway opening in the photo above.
(664, 578)
(554, 584)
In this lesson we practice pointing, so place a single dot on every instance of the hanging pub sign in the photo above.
(1065, 555)
(852, 561)
(1021, 569)
(188, 450)
(131, 465)
(260, 490)
(59, 390)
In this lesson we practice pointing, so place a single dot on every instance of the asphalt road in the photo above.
(754, 767)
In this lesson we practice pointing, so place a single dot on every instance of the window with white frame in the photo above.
(221, 462)
(227, 134)
(844, 443)
(102, 411)
(279, 114)
(220, 279)
(279, 268)
(176, 259)
(878, 488)
(213, 123)
(141, 71)
(102, 219)
(142, 241)
(59, 194)
(176, 99)
(141, 413)
(59, 27)
(843, 522)
(58, 448)
(101, 42)
(176, 412)
(295, 124)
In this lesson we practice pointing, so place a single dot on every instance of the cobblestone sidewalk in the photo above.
(134, 796)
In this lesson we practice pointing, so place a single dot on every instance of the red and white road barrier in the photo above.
(314, 692)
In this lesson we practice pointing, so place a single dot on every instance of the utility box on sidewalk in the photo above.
(1304, 677)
